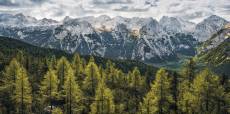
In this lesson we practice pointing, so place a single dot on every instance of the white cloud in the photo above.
(193, 10)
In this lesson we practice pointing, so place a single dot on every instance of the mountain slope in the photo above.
(216, 51)
(141, 39)
(9, 48)
(208, 26)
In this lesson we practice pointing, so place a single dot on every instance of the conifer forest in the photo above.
(74, 85)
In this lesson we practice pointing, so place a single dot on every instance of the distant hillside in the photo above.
(216, 51)
(9, 48)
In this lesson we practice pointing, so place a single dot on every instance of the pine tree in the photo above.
(21, 57)
(135, 78)
(103, 102)
(137, 85)
(121, 79)
(10, 73)
(77, 66)
(8, 84)
(185, 95)
(115, 78)
(57, 111)
(62, 67)
(208, 92)
(189, 70)
(22, 93)
(49, 88)
(159, 99)
(72, 93)
(110, 73)
(175, 93)
(91, 79)
(52, 62)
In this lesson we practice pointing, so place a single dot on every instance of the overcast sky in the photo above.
(193, 10)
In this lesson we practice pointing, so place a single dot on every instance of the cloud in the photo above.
(19, 2)
(57, 9)
(112, 1)
(131, 9)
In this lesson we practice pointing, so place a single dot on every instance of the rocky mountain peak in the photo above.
(209, 26)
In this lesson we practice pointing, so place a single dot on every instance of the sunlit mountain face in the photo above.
(170, 39)
(151, 31)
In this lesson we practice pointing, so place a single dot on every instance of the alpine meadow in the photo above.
(114, 57)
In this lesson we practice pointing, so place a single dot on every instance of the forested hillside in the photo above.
(44, 81)
(215, 51)
(9, 48)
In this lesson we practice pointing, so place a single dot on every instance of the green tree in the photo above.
(92, 76)
(62, 67)
(77, 66)
(208, 93)
(10, 74)
(189, 70)
(52, 62)
(8, 84)
(49, 88)
(110, 73)
(57, 111)
(185, 96)
(20, 56)
(135, 79)
(137, 86)
(22, 93)
(103, 102)
(159, 99)
(175, 92)
(73, 94)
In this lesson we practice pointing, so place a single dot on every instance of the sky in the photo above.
(192, 10)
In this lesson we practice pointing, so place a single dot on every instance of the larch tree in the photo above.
(52, 62)
(189, 70)
(62, 67)
(114, 77)
(92, 76)
(175, 92)
(49, 88)
(10, 74)
(78, 69)
(20, 56)
(57, 111)
(159, 99)
(110, 73)
(185, 91)
(137, 85)
(208, 93)
(23, 92)
(8, 84)
(104, 100)
(72, 94)
(137, 82)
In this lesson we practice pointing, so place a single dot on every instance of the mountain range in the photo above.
(142, 39)
(215, 51)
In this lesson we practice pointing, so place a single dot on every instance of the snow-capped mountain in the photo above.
(22, 20)
(216, 50)
(217, 38)
(205, 29)
(176, 25)
(143, 39)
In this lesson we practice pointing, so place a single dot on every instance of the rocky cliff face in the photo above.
(205, 29)
(143, 39)
(218, 38)
(216, 51)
